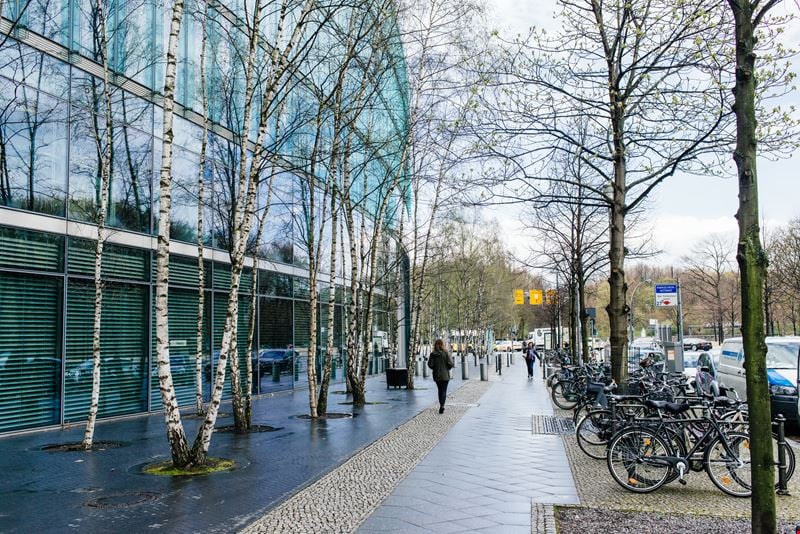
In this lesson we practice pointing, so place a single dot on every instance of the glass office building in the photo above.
(51, 131)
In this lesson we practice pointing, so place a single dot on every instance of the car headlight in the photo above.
(783, 390)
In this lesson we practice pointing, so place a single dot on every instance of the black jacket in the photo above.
(441, 363)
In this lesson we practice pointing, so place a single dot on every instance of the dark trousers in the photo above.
(530, 363)
(442, 385)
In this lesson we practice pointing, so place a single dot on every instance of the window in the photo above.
(123, 342)
(30, 351)
(182, 348)
(33, 138)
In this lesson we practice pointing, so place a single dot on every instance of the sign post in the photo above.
(666, 295)
(669, 295)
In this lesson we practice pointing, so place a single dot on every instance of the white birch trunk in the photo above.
(242, 220)
(201, 272)
(175, 434)
(105, 178)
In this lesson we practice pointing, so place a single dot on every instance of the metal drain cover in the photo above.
(124, 500)
(549, 424)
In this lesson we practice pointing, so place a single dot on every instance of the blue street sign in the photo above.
(666, 294)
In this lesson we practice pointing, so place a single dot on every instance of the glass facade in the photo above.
(52, 141)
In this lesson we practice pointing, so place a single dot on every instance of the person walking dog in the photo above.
(441, 362)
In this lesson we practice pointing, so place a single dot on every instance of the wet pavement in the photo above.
(104, 491)
(490, 473)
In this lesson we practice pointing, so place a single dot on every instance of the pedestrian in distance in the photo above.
(530, 359)
(440, 363)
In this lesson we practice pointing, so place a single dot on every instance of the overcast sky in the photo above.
(683, 209)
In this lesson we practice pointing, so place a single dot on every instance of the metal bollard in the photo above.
(484, 373)
(416, 367)
(783, 488)
(464, 368)
(425, 367)
(612, 405)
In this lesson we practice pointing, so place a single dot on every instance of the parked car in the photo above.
(783, 353)
(502, 345)
(694, 360)
(695, 343)
(268, 358)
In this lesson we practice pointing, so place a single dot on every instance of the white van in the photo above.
(783, 353)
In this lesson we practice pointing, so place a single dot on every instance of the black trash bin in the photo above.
(397, 377)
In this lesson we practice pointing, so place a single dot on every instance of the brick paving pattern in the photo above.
(342, 499)
(494, 472)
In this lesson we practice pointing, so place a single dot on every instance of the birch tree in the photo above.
(176, 436)
(104, 150)
(201, 180)
(282, 57)
(441, 39)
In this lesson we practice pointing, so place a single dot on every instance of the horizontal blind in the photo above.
(118, 262)
(183, 348)
(220, 312)
(183, 271)
(31, 250)
(30, 350)
(123, 346)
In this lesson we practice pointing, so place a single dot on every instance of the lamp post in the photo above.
(633, 301)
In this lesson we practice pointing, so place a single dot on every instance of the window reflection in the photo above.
(276, 356)
(32, 146)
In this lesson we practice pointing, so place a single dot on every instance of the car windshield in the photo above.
(782, 355)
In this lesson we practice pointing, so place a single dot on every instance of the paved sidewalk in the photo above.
(491, 473)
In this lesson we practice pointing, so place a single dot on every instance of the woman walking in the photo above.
(441, 363)
(530, 359)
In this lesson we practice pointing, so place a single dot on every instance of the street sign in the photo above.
(666, 295)
(535, 296)
(519, 296)
(551, 296)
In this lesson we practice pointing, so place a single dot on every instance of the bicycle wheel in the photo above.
(593, 433)
(551, 380)
(581, 411)
(563, 395)
(729, 467)
(636, 462)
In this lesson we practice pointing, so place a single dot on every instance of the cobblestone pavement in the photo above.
(339, 501)
(491, 473)
(581, 520)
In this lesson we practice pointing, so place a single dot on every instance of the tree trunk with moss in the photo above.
(752, 265)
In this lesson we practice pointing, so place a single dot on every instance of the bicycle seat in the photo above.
(619, 398)
(725, 401)
(671, 407)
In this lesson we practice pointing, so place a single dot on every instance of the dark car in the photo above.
(268, 358)
(695, 343)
